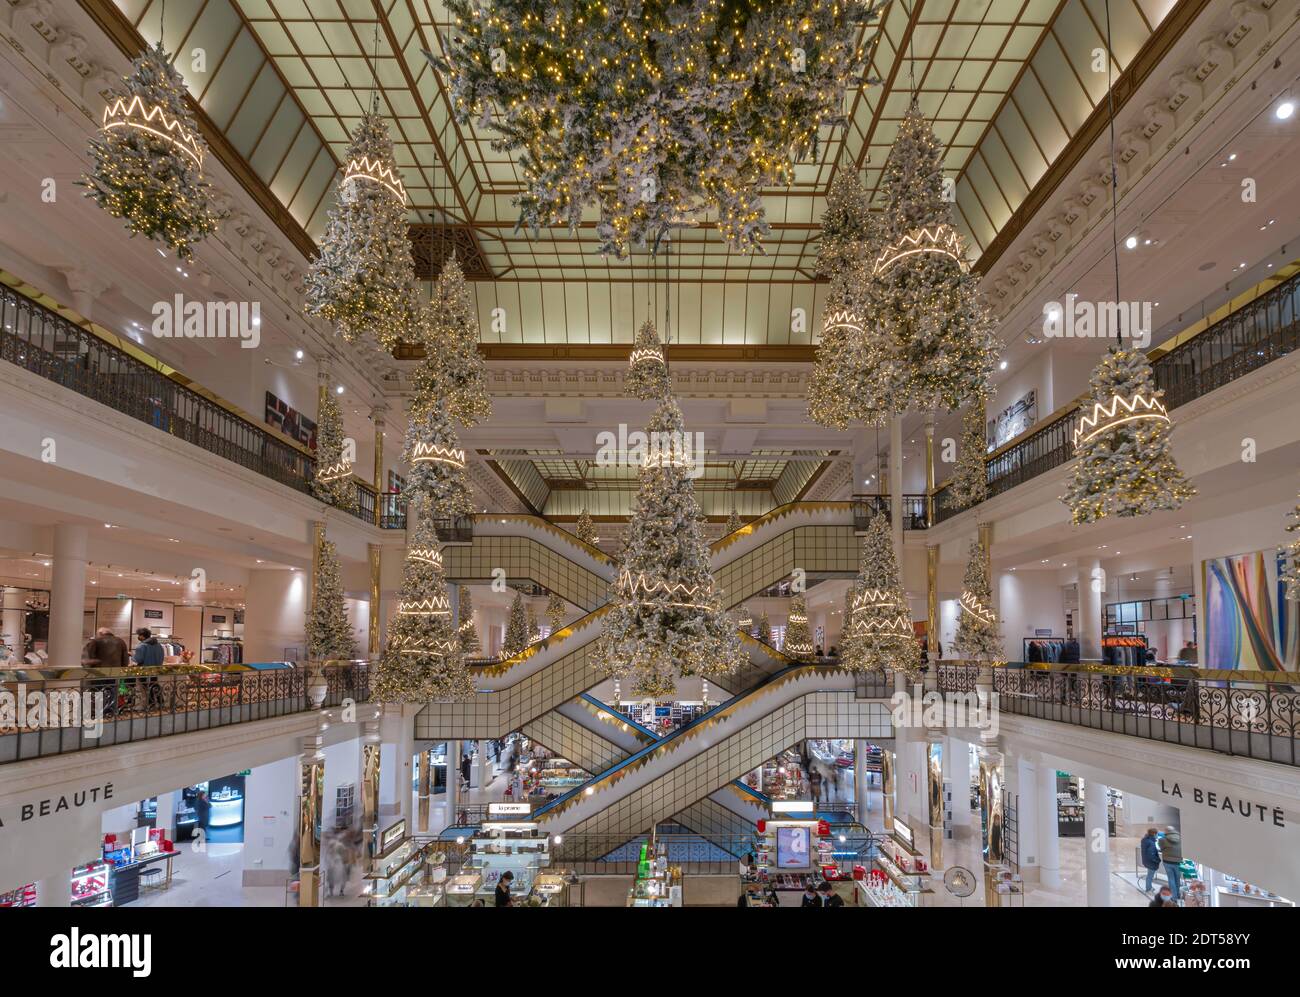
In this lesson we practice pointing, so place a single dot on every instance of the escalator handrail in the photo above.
(620, 716)
(758, 795)
(680, 732)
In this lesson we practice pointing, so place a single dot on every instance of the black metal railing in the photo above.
(392, 511)
(107, 708)
(1251, 337)
(458, 530)
(958, 677)
(694, 854)
(916, 515)
(50, 346)
(1257, 719)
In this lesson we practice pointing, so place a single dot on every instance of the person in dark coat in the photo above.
(810, 897)
(148, 652)
(1151, 856)
(106, 650)
(829, 897)
(464, 769)
(202, 808)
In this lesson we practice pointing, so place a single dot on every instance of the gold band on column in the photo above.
(992, 821)
(370, 780)
(425, 789)
(934, 797)
(376, 554)
(929, 469)
(311, 770)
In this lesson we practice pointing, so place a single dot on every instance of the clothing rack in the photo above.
(1063, 650)
(1127, 650)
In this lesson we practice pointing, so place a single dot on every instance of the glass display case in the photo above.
(899, 876)
(461, 890)
(519, 847)
(394, 873)
(432, 890)
(90, 885)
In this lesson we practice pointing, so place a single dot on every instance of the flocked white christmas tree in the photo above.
(149, 156)
(798, 636)
(555, 610)
(363, 280)
(330, 637)
(534, 631)
(453, 367)
(466, 630)
(333, 480)
(1291, 572)
(433, 453)
(878, 633)
(969, 483)
(585, 529)
(1124, 465)
(517, 636)
(666, 617)
(978, 637)
(734, 522)
(423, 659)
(764, 628)
(647, 373)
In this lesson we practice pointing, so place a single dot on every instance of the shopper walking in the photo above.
(106, 650)
(202, 808)
(1171, 854)
(1151, 856)
(148, 652)
(829, 897)
(503, 889)
(464, 770)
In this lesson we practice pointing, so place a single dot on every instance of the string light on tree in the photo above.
(1291, 573)
(978, 637)
(437, 462)
(330, 637)
(647, 373)
(653, 112)
(467, 631)
(878, 632)
(518, 635)
(734, 522)
(555, 610)
(148, 155)
(969, 483)
(585, 529)
(453, 367)
(333, 480)
(798, 635)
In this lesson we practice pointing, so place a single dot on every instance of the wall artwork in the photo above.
(290, 421)
(1249, 624)
(1013, 420)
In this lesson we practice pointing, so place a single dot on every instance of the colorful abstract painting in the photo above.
(1248, 623)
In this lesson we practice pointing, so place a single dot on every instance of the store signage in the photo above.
(792, 806)
(394, 832)
(218, 619)
(904, 832)
(153, 614)
(509, 809)
(1228, 803)
(52, 805)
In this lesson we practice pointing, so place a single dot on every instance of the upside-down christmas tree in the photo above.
(423, 659)
(1124, 466)
(330, 637)
(734, 522)
(969, 483)
(433, 453)
(1291, 573)
(978, 637)
(585, 529)
(333, 480)
(363, 280)
(666, 617)
(452, 367)
(149, 158)
(555, 610)
(647, 373)
(878, 633)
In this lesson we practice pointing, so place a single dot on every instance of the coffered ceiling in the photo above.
(1008, 83)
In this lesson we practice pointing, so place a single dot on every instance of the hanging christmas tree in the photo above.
(978, 637)
(851, 378)
(1125, 466)
(555, 611)
(969, 483)
(765, 628)
(423, 659)
(798, 636)
(585, 529)
(149, 158)
(647, 373)
(847, 225)
(745, 620)
(518, 632)
(666, 617)
(467, 632)
(927, 324)
(330, 637)
(433, 452)
(363, 281)
(333, 480)
(534, 631)
(734, 522)
(452, 367)
(878, 633)
(1291, 573)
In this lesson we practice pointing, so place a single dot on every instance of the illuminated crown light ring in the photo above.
(841, 318)
(875, 599)
(438, 649)
(334, 472)
(679, 594)
(1119, 411)
(436, 453)
(970, 604)
(425, 607)
(374, 171)
(154, 120)
(643, 354)
(941, 240)
(426, 555)
(899, 626)
(672, 457)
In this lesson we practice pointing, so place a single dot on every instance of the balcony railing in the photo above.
(915, 511)
(109, 707)
(1251, 337)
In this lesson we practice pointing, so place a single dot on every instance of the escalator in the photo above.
(668, 776)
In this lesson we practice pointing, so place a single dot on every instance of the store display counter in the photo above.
(461, 890)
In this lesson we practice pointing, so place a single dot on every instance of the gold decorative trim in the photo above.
(550, 527)
(770, 517)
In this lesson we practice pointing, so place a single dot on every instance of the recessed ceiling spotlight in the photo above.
(1284, 110)
(339, 390)
(1002, 365)
(1131, 242)
(297, 355)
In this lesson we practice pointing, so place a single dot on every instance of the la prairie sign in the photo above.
(1225, 802)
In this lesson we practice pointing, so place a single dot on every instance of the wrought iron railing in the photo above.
(1247, 716)
(112, 707)
(694, 854)
(1251, 337)
(916, 514)
(458, 530)
(50, 346)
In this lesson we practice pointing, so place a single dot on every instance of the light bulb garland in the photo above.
(647, 371)
(978, 637)
(878, 634)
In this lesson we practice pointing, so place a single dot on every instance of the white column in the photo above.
(67, 595)
(957, 759)
(167, 814)
(861, 801)
(453, 780)
(395, 773)
(1088, 626)
(270, 822)
(1096, 843)
(55, 891)
(896, 484)
(12, 620)
(1027, 812)
(1049, 842)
